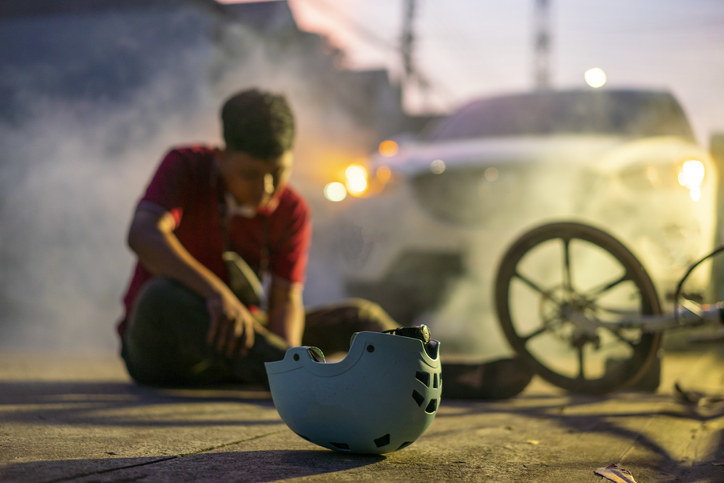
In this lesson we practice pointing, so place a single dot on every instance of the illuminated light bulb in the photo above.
(335, 191)
(388, 148)
(383, 174)
(691, 176)
(595, 77)
(437, 166)
(691, 173)
(356, 179)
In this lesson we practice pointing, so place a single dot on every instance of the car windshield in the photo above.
(628, 113)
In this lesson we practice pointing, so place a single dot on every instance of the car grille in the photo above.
(470, 196)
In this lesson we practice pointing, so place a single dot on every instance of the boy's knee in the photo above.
(163, 299)
(166, 292)
(372, 315)
(164, 289)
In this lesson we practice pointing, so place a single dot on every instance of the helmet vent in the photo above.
(435, 380)
(431, 406)
(404, 445)
(419, 398)
(316, 354)
(341, 446)
(423, 377)
(432, 348)
(383, 440)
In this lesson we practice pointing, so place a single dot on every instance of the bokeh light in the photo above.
(437, 166)
(691, 176)
(388, 148)
(356, 179)
(383, 174)
(335, 191)
(595, 77)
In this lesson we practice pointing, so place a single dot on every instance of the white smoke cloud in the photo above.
(72, 171)
(71, 176)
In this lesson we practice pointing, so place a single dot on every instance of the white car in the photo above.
(426, 239)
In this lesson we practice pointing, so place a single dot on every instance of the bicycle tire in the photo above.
(643, 346)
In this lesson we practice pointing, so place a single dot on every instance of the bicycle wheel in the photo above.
(559, 292)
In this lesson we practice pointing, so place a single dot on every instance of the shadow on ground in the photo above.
(224, 466)
(103, 404)
(603, 415)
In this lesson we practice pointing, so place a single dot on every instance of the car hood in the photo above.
(416, 158)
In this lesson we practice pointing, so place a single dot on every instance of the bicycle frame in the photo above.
(708, 314)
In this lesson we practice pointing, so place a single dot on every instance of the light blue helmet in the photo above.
(380, 398)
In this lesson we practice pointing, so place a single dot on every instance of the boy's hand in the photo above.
(232, 325)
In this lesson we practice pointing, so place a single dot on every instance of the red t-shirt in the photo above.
(187, 185)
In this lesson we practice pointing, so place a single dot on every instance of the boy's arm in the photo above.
(151, 236)
(286, 311)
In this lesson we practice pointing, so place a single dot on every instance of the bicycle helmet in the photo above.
(380, 398)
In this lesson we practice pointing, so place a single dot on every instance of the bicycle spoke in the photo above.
(530, 283)
(598, 291)
(621, 337)
(533, 334)
(567, 279)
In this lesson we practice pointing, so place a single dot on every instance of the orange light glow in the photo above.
(388, 148)
(356, 179)
(383, 174)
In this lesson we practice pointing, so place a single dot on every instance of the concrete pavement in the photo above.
(78, 418)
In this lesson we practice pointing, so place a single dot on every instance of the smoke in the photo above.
(74, 167)
(71, 176)
(466, 322)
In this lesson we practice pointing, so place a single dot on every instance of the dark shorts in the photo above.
(164, 343)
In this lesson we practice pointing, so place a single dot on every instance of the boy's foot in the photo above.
(498, 379)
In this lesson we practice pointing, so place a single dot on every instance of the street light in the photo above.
(595, 77)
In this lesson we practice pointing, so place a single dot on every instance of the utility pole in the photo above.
(411, 73)
(542, 45)
(408, 41)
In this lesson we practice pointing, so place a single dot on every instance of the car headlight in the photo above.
(356, 179)
(354, 182)
(689, 174)
(335, 191)
(360, 181)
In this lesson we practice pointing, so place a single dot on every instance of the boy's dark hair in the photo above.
(258, 123)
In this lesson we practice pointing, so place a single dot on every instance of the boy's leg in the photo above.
(497, 379)
(330, 327)
(165, 342)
